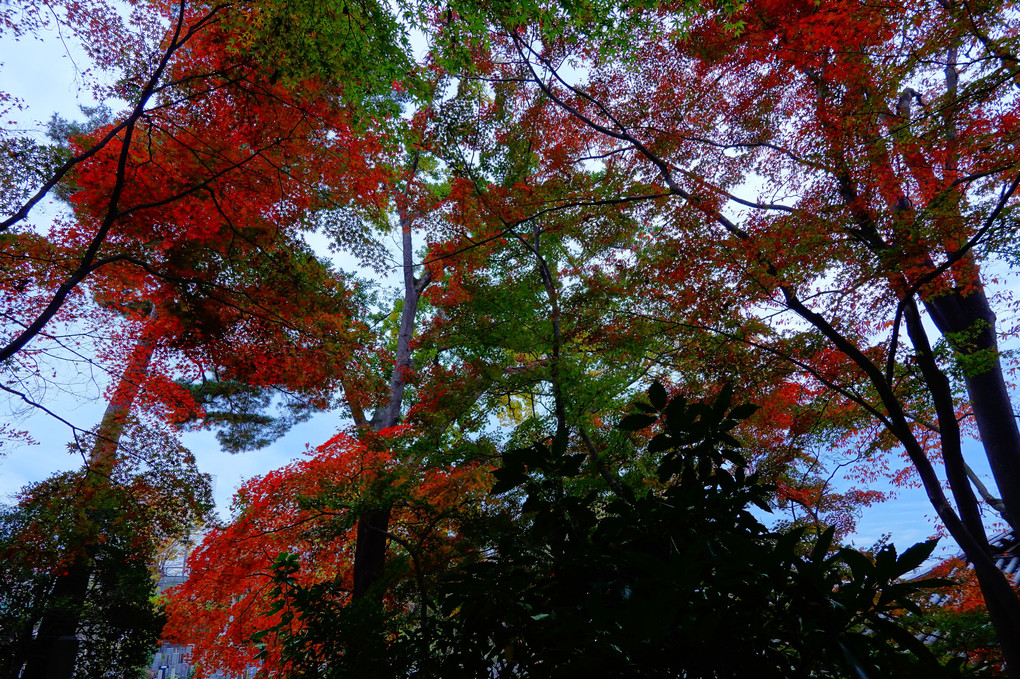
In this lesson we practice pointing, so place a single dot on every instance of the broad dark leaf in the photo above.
(657, 395)
(636, 422)
(915, 556)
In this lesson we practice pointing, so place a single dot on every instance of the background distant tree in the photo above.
(68, 525)
(956, 622)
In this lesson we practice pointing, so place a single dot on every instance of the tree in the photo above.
(312, 508)
(569, 217)
(220, 278)
(48, 651)
(535, 256)
(431, 417)
(957, 621)
(251, 337)
(515, 311)
(213, 137)
(140, 382)
(885, 181)
(673, 577)
(68, 527)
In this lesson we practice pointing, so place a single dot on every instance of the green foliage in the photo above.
(28, 163)
(118, 619)
(952, 634)
(244, 416)
(334, 638)
(968, 359)
(678, 579)
(607, 24)
(357, 43)
(70, 529)
(674, 578)
(968, 631)
(22, 590)
(123, 620)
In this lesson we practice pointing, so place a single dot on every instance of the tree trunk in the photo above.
(370, 552)
(968, 324)
(1004, 610)
(968, 530)
(52, 652)
(370, 546)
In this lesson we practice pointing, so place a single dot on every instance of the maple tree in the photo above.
(185, 214)
(143, 388)
(580, 176)
(359, 562)
(212, 139)
(311, 508)
(885, 181)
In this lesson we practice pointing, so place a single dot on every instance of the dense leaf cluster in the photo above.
(119, 622)
(78, 552)
(676, 578)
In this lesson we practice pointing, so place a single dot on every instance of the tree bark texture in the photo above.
(968, 324)
(370, 545)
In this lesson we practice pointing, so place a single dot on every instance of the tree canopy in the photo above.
(804, 206)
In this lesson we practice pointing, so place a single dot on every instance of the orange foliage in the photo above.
(203, 219)
(309, 508)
